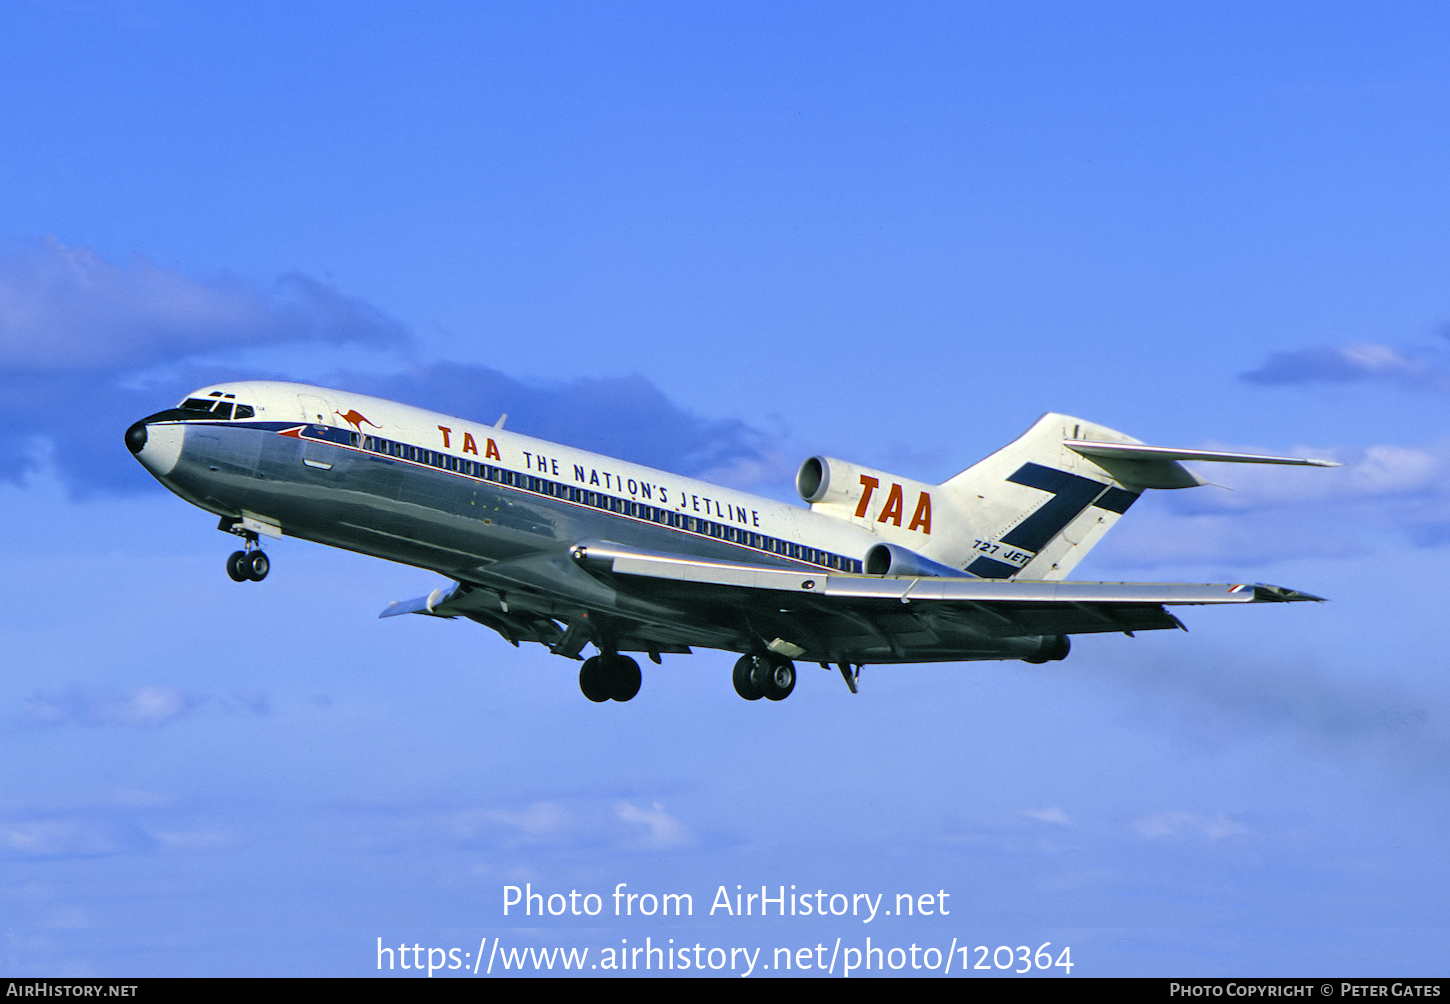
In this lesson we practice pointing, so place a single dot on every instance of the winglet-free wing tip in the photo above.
(1265, 593)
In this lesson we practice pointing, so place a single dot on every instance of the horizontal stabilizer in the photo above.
(400, 607)
(1133, 451)
(422, 604)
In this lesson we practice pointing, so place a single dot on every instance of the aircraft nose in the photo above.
(157, 444)
(136, 437)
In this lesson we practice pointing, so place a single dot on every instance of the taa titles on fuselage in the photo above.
(550, 544)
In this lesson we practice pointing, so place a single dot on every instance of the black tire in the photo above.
(257, 566)
(624, 678)
(593, 681)
(237, 566)
(782, 680)
(760, 674)
(741, 678)
(773, 676)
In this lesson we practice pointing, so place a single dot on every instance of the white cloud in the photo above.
(541, 819)
(143, 706)
(662, 829)
(1363, 361)
(1049, 815)
(1367, 472)
(198, 840)
(1383, 492)
(1173, 824)
(151, 706)
(59, 837)
(589, 823)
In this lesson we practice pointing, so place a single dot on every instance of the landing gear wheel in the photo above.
(773, 676)
(782, 681)
(237, 566)
(593, 681)
(257, 566)
(623, 675)
(741, 678)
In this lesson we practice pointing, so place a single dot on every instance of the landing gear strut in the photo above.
(770, 676)
(609, 676)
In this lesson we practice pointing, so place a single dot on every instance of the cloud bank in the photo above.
(1159, 825)
(143, 706)
(76, 332)
(1382, 492)
(1423, 368)
(68, 309)
(568, 823)
(625, 417)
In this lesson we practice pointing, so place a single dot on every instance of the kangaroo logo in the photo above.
(355, 419)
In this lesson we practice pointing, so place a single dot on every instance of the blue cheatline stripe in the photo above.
(576, 495)
(991, 568)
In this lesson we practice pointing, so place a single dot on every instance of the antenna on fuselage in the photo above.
(501, 420)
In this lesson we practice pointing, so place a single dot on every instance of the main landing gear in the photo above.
(609, 676)
(770, 676)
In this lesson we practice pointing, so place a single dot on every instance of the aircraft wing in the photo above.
(835, 617)
(824, 616)
(622, 560)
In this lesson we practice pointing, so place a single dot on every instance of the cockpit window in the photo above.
(218, 409)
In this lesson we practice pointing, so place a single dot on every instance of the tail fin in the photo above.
(1035, 508)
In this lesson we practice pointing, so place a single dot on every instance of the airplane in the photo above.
(549, 544)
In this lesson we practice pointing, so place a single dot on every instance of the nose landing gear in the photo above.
(244, 565)
(248, 563)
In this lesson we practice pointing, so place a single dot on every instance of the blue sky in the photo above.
(718, 239)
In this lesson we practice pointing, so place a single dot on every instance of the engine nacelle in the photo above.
(827, 481)
(886, 503)
(901, 562)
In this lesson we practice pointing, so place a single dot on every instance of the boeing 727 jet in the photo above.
(549, 544)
